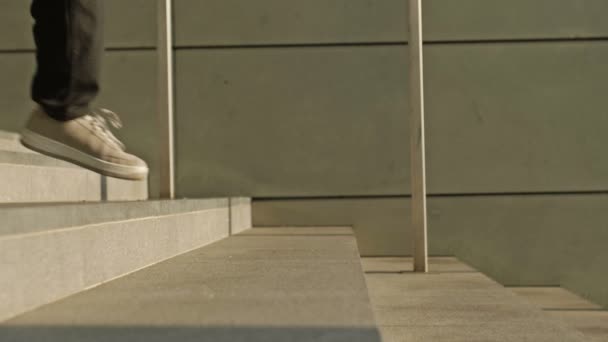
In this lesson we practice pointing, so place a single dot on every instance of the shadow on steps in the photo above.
(185, 334)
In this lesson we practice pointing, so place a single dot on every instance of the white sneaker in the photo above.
(86, 141)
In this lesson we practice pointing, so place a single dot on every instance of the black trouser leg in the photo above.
(69, 42)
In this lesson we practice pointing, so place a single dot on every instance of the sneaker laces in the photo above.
(101, 117)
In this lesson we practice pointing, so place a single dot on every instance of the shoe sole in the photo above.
(55, 149)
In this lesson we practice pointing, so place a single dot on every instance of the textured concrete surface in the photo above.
(587, 317)
(114, 189)
(264, 285)
(554, 298)
(594, 324)
(29, 157)
(453, 302)
(9, 143)
(39, 266)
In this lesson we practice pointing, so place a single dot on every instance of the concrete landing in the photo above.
(275, 284)
(573, 310)
(455, 303)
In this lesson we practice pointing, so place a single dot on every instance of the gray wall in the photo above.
(308, 98)
(285, 99)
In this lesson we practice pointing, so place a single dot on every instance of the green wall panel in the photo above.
(517, 117)
(514, 19)
(222, 22)
(270, 122)
(381, 224)
(128, 23)
(333, 121)
(16, 70)
(517, 240)
(15, 25)
(129, 87)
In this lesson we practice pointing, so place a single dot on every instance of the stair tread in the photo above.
(270, 285)
(32, 159)
(551, 297)
(594, 324)
(453, 302)
(13, 152)
(31, 218)
(9, 141)
(8, 135)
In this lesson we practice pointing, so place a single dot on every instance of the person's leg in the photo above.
(68, 35)
(69, 42)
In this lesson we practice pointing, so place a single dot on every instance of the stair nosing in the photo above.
(34, 219)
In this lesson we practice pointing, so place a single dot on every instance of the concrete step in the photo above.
(275, 284)
(575, 311)
(29, 177)
(9, 141)
(454, 302)
(50, 251)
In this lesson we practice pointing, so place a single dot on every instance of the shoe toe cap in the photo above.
(127, 159)
(136, 161)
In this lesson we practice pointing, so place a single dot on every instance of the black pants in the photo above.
(69, 42)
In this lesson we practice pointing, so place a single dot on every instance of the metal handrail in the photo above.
(165, 99)
(417, 137)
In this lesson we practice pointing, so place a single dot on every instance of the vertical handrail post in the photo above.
(165, 98)
(417, 138)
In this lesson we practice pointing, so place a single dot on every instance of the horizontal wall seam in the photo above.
(435, 195)
(287, 45)
(517, 40)
(388, 43)
(108, 49)
(338, 44)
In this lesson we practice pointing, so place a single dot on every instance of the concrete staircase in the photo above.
(64, 229)
(50, 251)
(74, 268)
(292, 284)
